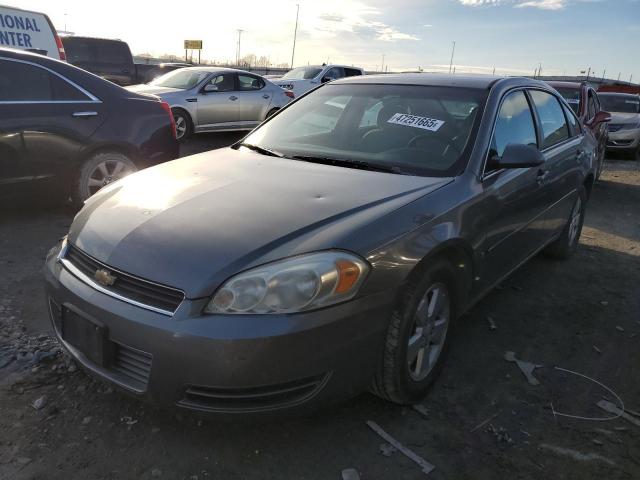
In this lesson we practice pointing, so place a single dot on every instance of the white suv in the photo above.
(302, 79)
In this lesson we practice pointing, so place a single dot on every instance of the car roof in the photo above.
(438, 80)
(619, 94)
(559, 84)
(65, 38)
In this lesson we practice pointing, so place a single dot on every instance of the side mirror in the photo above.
(209, 87)
(602, 117)
(326, 79)
(517, 155)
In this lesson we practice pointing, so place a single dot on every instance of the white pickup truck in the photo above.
(302, 79)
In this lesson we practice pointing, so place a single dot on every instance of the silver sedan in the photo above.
(213, 99)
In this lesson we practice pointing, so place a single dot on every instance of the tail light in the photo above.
(289, 94)
(165, 106)
(61, 52)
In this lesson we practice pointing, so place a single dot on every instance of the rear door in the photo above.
(561, 143)
(254, 101)
(514, 223)
(45, 120)
(219, 109)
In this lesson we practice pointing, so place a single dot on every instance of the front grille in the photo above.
(127, 286)
(133, 366)
(252, 399)
(614, 127)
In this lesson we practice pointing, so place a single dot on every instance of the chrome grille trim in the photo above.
(93, 284)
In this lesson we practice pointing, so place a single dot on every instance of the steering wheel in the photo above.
(445, 144)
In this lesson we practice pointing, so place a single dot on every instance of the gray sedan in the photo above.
(329, 251)
(213, 99)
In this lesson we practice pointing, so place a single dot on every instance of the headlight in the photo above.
(292, 285)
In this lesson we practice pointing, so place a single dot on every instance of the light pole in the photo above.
(238, 49)
(453, 49)
(295, 34)
(382, 64)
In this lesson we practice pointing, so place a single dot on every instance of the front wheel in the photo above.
(418, 336)
(567, 242)
(184, 125)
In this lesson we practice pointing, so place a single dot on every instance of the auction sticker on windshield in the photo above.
(425, 123)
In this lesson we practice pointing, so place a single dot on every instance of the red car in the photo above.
(584, 101)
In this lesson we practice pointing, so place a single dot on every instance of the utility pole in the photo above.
(539, 69)
(453, 49)
(238, 49)
(295, 34)
(588, 73)
(619, 73)
(382, 64)
(494, 71)
(631, 78)
(604, 72)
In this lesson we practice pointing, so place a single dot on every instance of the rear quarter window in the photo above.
(554, 125)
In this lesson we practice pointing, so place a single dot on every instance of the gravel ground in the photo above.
(482, 419)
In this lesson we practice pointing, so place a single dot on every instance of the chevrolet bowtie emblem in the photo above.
(104, 277)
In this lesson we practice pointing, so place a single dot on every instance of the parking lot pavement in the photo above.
(209, 141)
(483, 420)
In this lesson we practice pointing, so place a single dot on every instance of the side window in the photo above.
(225, 82)
(514, 124)
(112, 53)
(247, 82)
(20, 82)
(554, 125)
(574, 127)
(78, 50)
(592, 108)
(352, 72)
(335, 73)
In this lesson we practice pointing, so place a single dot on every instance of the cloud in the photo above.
(357, 18)
(543, 4)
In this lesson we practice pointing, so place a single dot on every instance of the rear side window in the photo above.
(112, 53)
(352, 72)
(335, 73)
(78, 50)
(554, 125)
(572, 121)
(20, 82)
(514, 124)
(248, 82)
(224, 82)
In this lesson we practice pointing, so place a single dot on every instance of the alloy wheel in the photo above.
(429, 331)
(105, 173)
(181, 126)
(574, 226)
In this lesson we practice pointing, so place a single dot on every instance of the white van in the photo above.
(30, 31)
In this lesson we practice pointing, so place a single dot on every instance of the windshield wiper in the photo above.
(349, 163)
(262, 150)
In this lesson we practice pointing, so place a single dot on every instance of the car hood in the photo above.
(624, 118)
(152, 89)
(193, 222)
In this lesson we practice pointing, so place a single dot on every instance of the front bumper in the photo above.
(226, 363)
(623, 140)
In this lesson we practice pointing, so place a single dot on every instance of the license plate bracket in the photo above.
(87, 335)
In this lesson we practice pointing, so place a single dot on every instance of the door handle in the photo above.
(265, 96)
(542, 176)
(233, 98)
(84, 114)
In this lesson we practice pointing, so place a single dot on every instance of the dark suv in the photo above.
(62, 126)
(109, 59)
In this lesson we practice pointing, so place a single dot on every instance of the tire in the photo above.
(98, 171)
(184, 124)
(271, 112)
(398, 378)
(567, 242)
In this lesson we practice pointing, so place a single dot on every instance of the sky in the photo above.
(512, 36)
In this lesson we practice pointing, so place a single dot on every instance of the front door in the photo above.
(218, 103)
(513, 202)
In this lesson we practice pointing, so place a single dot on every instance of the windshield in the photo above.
(620, 103)
(572, 96)
(418, 130)
(184, 79)
(302, 73)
